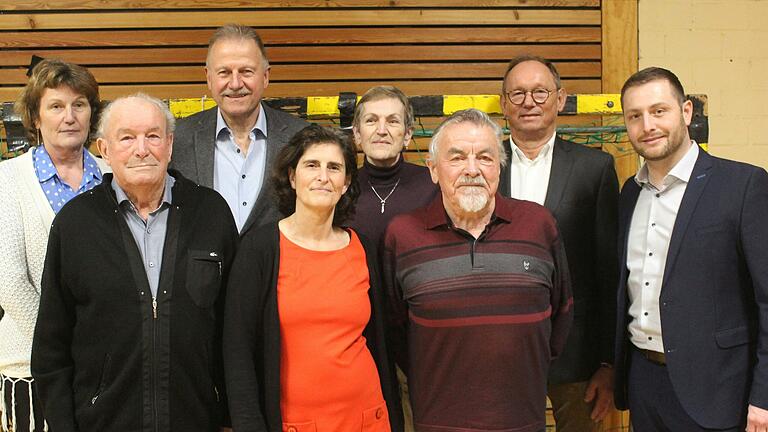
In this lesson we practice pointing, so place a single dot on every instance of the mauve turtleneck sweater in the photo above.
(414, 190)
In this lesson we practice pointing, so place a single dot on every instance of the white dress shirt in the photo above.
(529, 178)
(649, 234)
(238, 176)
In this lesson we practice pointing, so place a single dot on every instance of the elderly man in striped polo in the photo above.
(479, 291)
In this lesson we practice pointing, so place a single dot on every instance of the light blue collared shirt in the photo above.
(58, 192)
(239, 177)
(149, 234)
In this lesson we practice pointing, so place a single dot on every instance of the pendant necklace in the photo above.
(384, 200)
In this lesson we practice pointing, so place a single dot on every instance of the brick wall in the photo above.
(717, 48)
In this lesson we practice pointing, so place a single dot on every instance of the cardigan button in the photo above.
(379, 413)
(292, 429)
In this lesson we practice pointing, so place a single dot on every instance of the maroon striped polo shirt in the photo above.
(476, 322)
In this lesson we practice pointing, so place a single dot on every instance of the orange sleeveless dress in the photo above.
(328, 379)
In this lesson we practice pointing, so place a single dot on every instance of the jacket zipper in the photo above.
(154, 365)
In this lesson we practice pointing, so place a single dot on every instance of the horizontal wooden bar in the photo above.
(301, 89)
(20, 5)
(309, 54)
(326, 72)
(299, 18)
(303, 36)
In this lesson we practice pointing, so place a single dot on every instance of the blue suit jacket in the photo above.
(714, 294)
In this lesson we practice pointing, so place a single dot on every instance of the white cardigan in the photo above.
(25, 219)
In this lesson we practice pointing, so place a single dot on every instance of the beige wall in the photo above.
(719, 48)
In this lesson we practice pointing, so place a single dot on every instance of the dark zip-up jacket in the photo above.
(104, 356)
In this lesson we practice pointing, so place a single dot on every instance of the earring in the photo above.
(38, 136)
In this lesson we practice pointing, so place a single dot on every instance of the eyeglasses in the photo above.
(539, 95)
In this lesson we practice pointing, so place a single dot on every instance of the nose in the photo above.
(381, 127)
(471, 169)
(235, 81)
(142, 148)
(528, 100)
(69, 114)
(648, 124)
(322, 176)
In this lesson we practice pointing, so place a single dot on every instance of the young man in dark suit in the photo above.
(693, 294)
(231, 147)
(579, 186)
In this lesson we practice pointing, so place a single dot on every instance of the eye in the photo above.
(370, 120)
(659, 111)
(486, 159)
(125, 138)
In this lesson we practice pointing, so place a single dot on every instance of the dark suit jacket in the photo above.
(714, 293)
(583, 196)
(194, 144)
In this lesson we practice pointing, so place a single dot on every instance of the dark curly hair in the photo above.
(288, 159)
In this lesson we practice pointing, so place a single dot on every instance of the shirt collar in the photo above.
(681, 171)
(545, 151)
(46, 170)
(122, 197)
(436, 215)
(261, 122)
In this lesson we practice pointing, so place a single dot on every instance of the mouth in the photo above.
(236, 95)
(652, 139)
(529, 115)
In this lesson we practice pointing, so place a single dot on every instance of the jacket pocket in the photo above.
(733, 337)
(103, 380)
(376, 419)
(203, 277)
(300, 427)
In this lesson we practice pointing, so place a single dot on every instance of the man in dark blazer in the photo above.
(579, 186)
(231, 147)
(692, 327)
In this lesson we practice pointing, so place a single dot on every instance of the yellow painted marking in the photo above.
(598, 104)
(486, 103)
(323, 106)
(186, 107)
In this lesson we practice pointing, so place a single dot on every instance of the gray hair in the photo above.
(106, 114)
(477, 118)
(237, 32)
(384, 92)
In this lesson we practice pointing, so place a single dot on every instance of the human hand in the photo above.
(600, 390)
(757, 419)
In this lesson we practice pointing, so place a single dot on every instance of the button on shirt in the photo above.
(58, 192)
(149, 234)
(238, 176)
(650, 231)
(530, 177)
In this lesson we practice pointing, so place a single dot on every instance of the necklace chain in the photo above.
(384, 200)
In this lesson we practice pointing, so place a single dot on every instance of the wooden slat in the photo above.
(308, 54)
(620, 45)
(412, 88)
(326, 72)
(300, 18)
(238, 4)
(302, 36)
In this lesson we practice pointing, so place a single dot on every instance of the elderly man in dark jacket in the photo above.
(128, 332)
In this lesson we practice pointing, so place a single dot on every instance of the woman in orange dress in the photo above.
(303, 328)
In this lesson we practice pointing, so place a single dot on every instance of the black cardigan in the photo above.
(252, 335)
